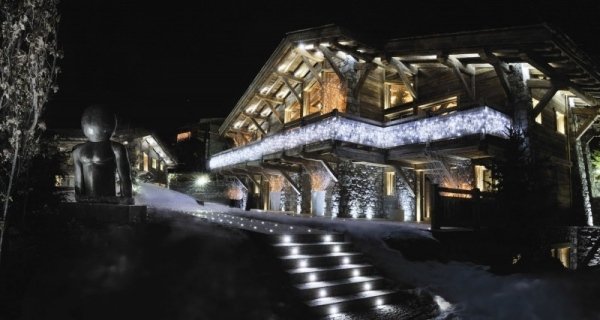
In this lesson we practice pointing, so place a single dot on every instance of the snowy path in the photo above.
(474, 292)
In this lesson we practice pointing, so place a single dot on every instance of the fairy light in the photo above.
(481, 120)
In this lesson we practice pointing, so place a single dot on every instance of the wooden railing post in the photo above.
(435, 207)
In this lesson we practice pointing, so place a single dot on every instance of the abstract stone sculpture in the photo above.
(97, 160)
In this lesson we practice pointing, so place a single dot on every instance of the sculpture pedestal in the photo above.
(104, 212)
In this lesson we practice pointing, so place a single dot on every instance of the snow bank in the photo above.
(156, 197)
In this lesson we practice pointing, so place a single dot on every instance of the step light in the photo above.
(302, 264)
(346, 260)
(367, 286)
(312, 277)
(379, 302)
(334, 310)
(327, 238)
(355, 273)
(322, 293)
(294, 251)
(287, 239)
(336, 248)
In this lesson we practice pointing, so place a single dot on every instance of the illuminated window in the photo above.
(483, 178)
(154, 163)
(563, 254)
(396, 94)
(560, 122)
(162, 166)
(184, 136)
(439, 106)
(145, 155)
(534, 102)
(389, 183)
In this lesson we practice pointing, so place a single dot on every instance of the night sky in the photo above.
(168, 63)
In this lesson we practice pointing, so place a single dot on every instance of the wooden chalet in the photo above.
(334, 126)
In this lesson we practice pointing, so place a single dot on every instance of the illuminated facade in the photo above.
(385, 127)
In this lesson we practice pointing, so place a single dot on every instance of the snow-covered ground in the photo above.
(472, 291)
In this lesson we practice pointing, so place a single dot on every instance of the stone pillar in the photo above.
(305, 190)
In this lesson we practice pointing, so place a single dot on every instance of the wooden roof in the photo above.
(549, 51)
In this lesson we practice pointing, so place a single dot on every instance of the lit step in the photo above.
(307, 238)
(321, 260)
(311, 248)
(311, 274)
(320, 289)
(361, 300)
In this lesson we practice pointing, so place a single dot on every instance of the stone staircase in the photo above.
(330, 276)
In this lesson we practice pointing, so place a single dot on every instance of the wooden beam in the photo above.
(367, 57)
(292, 90)
(543, 102)
(284, 173)
(270, 99)
(458, 68)
(329, 56)
(306, 54)
(289, 76)
(258, 126)
(501, 69)
(254, 116)
(582, 130)
(368, 67)
(397, 64)
(312, 70)
(275, 112)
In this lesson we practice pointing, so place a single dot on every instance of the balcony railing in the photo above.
(480, 120)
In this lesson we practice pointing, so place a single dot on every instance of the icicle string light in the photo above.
(481, 120)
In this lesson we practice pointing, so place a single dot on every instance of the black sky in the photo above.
(164, 64)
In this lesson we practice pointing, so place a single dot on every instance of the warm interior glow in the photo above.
(276, 183)
(154, 163)
(483, 178)
(560, 122)
(319, 180)
(396, 94)
(145, 155)
(534, 103)
(563, 254)
(389, 182)
(184, 136)
(293, 112)
(440, 105)
(334, 96)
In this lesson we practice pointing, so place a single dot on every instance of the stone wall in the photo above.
(587, 247)
(361, 190)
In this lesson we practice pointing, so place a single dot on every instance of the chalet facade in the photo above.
(333, 126)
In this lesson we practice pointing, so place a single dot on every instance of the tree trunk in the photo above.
(5, 221)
